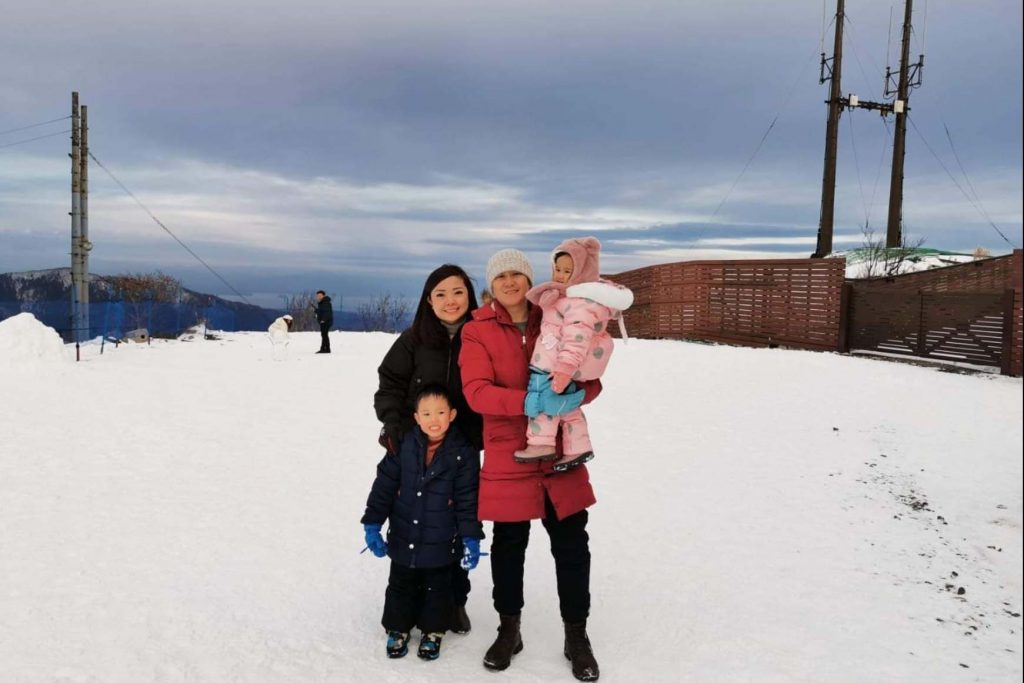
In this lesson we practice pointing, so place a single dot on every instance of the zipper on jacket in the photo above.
(448, 367)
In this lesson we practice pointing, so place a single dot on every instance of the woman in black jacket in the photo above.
(428, 353)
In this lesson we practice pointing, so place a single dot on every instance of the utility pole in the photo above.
(80, 244)
(84, 245)
(910, 77)
(835, 109)
(76, 218)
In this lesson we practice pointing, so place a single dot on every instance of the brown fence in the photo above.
(1015, 322)
(968, 312)
(787, 302)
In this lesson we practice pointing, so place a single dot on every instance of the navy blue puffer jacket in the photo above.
(429, 509)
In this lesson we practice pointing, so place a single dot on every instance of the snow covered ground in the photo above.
(188, 511)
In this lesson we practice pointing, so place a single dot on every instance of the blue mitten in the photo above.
(374, 541)
(471, 553)
(539, 381)
(560, 404)
(531, 406)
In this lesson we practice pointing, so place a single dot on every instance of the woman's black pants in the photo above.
(570, 546)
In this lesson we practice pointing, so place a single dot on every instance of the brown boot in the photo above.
(578, 652)
(508, 643)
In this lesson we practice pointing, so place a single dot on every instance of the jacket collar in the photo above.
(453, 439)
(495, 311)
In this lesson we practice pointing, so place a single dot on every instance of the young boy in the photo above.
(428, 494)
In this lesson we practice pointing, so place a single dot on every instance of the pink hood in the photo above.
(586, 258)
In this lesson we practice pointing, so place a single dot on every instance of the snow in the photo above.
(858, 267)
(26, 343)
(188, 511)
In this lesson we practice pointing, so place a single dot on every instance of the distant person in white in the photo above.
(278, 332)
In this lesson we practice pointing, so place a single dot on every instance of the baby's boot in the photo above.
(567, 462)
(535, 454)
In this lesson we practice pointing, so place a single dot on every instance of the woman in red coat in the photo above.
(496, 347)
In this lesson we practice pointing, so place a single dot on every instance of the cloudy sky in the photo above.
(353, 146)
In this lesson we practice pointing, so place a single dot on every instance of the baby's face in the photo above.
(561, 271)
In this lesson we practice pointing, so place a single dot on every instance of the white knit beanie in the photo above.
(505, 260)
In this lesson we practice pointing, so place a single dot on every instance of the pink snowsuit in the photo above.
(574, 338)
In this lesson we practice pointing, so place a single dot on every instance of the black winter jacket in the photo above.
(324, 312)
(429, 509)
(407, 368)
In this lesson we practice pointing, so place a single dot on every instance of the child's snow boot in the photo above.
(508, 643)
(569, 461)
(430, 646)
(535, 454)
(398, 644)
(578, 652)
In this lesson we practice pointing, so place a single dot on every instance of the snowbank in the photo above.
(26, 342)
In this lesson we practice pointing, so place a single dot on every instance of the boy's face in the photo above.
(434, 415)
(561, 271)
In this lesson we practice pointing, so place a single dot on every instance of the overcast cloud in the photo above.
(354, 146)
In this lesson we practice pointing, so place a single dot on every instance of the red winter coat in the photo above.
(494, 376)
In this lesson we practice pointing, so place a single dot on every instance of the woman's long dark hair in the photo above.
(426, 327)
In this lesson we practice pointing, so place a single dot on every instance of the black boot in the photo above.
(508, 643)
(460, 620)
(578, 652)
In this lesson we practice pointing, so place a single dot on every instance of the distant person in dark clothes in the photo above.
(428, 353)
(324, 316)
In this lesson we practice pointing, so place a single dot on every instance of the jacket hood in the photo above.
(585, 253)
(604, 292)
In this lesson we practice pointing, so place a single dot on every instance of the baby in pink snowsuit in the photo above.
(574, 344)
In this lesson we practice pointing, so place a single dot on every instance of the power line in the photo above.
(34, 125)
(977, 197)
(40, 137)
(856, 164)
(958, 186)
(789, 96)
(881, 162)
(175, 237)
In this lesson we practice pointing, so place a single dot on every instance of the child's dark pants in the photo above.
(418, 597)
(460, 585)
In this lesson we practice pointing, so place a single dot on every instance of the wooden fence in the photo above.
(969, 312)
(783, 302)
